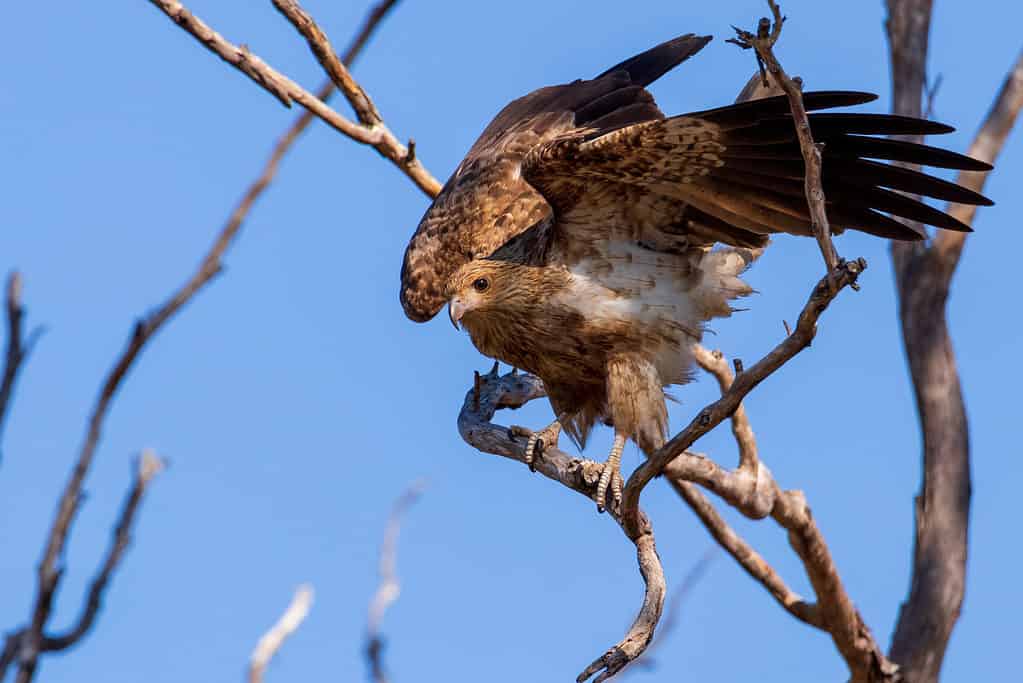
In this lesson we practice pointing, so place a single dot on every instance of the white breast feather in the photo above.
(646, 287)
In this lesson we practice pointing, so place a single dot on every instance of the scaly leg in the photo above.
(538, 441)
(612, 474)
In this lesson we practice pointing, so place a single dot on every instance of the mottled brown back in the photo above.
(486, 203)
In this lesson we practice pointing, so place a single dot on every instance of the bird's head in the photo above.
(484, 290)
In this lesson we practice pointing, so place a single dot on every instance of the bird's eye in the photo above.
(481, 284)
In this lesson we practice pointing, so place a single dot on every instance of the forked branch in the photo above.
(375, 134)
(25, 645)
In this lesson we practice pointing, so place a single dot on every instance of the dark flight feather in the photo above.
(568, 161)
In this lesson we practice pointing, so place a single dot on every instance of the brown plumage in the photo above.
(575, 239)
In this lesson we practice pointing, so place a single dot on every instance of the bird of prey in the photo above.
(576, 240)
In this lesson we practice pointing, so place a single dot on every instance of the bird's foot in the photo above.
(611, 475)
(537, 441)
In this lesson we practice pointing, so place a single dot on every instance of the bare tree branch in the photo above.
(494, 391)
(286, 90)
(923, 277)
(302, 121)
(272, 640)
(763, 43)
(834, 611)
(19, 646)
(389, 589)
(32, 640)
(18, 348)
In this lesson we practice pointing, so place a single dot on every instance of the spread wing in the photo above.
(735, 175)
(486, 202)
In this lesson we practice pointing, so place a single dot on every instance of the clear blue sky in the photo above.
(295, 401)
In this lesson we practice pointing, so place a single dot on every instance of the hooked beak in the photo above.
(456, 309)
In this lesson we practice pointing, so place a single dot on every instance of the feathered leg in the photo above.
(635, 397)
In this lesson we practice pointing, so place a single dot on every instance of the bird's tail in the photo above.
(720, 282)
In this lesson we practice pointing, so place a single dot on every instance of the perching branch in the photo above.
(389, 589)
(763, 43)
(492, 392)
(376, 135)
(923, 278)
(18, 348)
(272, 640)
(752, 492)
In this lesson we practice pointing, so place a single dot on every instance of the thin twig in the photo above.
(390, 587)
(763, 43)
(18, 348)
(321, 48)
(286, 90)
(272, 640)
